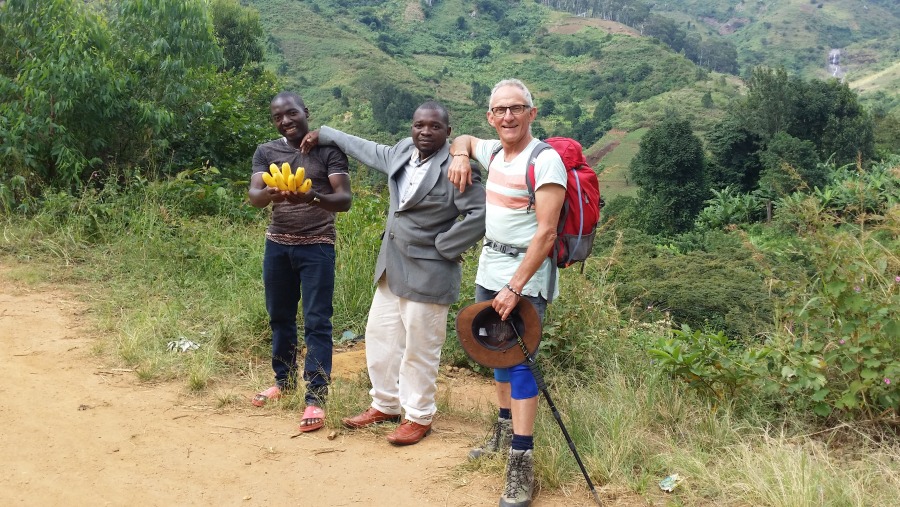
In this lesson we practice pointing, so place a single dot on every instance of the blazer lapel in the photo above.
(398, 164)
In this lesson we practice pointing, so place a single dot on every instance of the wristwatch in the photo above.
(315, 199)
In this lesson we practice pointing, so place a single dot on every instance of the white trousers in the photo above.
(403, 352)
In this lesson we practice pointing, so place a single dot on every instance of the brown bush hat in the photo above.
(492, 342)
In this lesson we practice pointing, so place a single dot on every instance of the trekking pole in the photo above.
(539, 379)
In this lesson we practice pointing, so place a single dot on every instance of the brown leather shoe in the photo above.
(409, 433)
(368, 418)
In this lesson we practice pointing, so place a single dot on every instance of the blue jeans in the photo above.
(292, 274)
(523, 379)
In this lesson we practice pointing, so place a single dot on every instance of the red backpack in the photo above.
(580, 213)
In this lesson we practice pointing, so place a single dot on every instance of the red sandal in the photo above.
(312, 413)
(272, 393)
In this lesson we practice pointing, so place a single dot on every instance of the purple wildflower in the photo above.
(887, 381)
(856, 289)
(841, 341)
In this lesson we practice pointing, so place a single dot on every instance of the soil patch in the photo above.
(77, 431)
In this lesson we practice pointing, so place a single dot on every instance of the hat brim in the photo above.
(480, 347)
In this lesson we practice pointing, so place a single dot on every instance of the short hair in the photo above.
(512, 82)
(290, 95)
(432, 105)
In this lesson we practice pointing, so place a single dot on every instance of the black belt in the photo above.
(512, 251)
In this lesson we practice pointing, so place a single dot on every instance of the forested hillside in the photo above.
(377, 60)
(815, 38)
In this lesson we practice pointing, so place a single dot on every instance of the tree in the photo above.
(790, 164)
(827, 113)
(480, 93)
(168, 63)
(887, 133)
(234, 120)
(393, 107)
(734, 151)
(548, 107)
(830, 116)
(604, 110)
(61, 92)
(482, 50)
(89, 86)
(721, 55)
(779, 120)
(670, 169)
(666, 30)
(239, 33)
(771, 101)
(574, 113)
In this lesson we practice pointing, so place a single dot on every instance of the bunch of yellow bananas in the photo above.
(283, 179)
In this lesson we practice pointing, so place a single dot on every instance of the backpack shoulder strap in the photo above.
(494, 155)
(529, 173)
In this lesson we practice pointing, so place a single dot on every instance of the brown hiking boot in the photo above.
(498, 440)
(519, 479)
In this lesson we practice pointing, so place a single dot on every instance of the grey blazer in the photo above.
(422, 245)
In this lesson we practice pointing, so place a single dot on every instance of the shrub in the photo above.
(720, 289)
(711, 363)
(840, 348)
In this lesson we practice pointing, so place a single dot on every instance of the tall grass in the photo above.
(633, 428)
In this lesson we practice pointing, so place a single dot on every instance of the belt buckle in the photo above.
(504, 249)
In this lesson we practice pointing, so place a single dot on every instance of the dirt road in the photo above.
(76, 431)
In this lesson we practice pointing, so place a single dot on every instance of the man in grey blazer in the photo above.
(430, 223)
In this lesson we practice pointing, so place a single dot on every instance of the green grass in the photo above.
(614, 179)
(175, 277)
(884, 80)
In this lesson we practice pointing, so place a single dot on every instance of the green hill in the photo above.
(801, 34)
(363, 66)
(455, 50)
(357, 62)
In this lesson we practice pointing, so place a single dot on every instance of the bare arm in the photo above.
(461, 149)
(548, 201)
(340, 199)
(260, 195)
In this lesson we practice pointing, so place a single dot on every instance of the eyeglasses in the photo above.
(516, 110)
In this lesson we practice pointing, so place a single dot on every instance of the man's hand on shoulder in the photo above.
(460, 170)
(310, 141)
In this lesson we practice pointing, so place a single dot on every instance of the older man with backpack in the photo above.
(514, 262)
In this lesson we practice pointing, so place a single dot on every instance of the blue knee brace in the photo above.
(521, 380)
